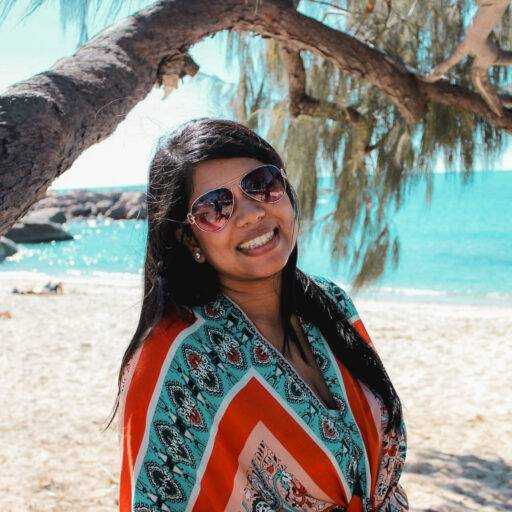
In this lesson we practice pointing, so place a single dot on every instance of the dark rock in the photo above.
(59, 217)
(80, 210)
(115, 196)
(117, 212)
(7, 248)
(35, 232)
(103, 205)
(93, 207)
(50, 214)
(137, 212)
(130, 197)
(82, 196)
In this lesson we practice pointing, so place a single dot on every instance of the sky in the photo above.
(35, 44)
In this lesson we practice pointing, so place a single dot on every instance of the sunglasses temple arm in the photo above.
(186, 221)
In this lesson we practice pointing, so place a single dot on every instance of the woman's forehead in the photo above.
(214, 173)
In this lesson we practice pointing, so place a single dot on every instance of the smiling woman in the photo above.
(248, 384)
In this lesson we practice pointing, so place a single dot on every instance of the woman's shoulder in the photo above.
(345, 304)
(153, 349)
(338, 294)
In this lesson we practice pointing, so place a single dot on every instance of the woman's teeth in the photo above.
(257, 242)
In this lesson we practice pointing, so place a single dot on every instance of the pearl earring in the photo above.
(197, 255)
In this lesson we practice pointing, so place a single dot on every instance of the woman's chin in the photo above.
(264, 267)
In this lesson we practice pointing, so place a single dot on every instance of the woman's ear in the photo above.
(190, 242)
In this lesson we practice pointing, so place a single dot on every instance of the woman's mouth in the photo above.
(261, 244)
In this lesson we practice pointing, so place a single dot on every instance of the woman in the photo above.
(248, 385)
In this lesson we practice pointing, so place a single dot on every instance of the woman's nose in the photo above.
(247, 210)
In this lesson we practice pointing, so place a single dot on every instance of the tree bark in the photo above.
(47, 121)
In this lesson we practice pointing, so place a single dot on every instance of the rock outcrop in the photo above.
(42, 223)
(7, 248)
(61, 207)
(37, 231)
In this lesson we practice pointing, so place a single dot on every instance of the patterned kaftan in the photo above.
(214, 418)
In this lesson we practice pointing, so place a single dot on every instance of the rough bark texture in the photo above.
(47, 121)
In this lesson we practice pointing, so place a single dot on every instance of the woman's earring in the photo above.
(197, 255)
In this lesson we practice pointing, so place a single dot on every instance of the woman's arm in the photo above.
(157, 463)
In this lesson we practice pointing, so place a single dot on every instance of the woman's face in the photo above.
(250, 219)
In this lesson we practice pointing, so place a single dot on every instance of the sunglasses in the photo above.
(212, 210)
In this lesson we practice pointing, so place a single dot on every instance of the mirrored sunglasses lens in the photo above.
(213, 210)
(265, 184)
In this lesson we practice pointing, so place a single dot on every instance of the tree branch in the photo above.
(485, 53)
(298, 32)
(303, 103)
(463, 99)
(172, 69)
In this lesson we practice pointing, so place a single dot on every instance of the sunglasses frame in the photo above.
(190, 217)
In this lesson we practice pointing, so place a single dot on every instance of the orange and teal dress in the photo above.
(214, 418)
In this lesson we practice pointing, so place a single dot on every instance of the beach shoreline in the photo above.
(448, 362)
(386, 294)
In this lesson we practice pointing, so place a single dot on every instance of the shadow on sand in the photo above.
(472, 481)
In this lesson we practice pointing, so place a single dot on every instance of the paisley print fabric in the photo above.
(214, 418)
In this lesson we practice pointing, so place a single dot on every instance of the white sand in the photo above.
(451, 365)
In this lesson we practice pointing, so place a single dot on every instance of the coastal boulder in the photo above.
(138, 212)
(103, 206)
(128, 206)
(117, 212)
(62, 206)
(130, 197)
(7, 248)
(59, 216)
(50, 214)
(83, 210)
(135, 205)
(35, 232)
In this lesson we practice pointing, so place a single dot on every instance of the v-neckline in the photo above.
(287, 364)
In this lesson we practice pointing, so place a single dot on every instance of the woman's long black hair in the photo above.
(174, 281)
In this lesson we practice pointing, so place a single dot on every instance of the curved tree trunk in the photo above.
(47, 121)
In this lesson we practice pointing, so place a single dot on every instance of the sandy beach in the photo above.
(58, 375)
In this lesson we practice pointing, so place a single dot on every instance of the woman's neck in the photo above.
(259, 299)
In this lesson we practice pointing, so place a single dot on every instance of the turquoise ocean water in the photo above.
(457, 249)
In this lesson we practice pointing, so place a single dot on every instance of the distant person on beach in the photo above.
(48, 289)
(248, 384)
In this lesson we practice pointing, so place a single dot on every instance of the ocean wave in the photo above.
(431, 295)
